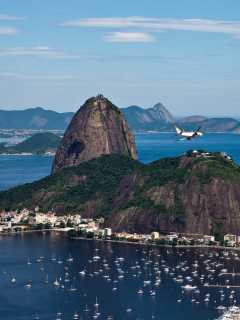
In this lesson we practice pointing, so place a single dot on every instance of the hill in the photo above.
(34, 118)
(97, 128)
(39, 143)
(183, 194)
(137, 116)
(214, 125)
(192, 119)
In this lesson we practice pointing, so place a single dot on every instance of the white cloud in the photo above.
(128, 37)
(200, 25)
(5, 30)
(8, 17)
(41, 52)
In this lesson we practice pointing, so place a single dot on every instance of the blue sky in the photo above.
(184, 54)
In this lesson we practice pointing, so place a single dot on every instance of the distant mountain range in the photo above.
(159, 119)
(35, 119)
(156, 119)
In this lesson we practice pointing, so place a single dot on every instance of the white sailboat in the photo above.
(70, 259)
(75, 316)
(86, 310)
(59, 261)
(96, 304)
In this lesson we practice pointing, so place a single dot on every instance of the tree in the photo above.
(190, 153)
(192, 242)
(70, 224)
(90, 234)
(48, 225)
(72, 233)
(62, 224)
(161, 241)
(40, 226)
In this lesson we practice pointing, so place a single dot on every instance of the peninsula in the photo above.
(195, 193)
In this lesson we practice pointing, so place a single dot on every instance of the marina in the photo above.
(125, 281)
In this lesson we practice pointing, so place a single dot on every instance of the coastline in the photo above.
(122, 241)
(155, 244)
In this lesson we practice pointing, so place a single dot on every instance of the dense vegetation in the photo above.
(98, 180)
(40, 143)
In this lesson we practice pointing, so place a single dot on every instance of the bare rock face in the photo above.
(98, 128)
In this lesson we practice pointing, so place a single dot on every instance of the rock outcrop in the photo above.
(137, 116)
(98, 128)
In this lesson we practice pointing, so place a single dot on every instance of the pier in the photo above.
(220, 286)
(229, 274)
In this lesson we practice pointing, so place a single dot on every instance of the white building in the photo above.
(230, 237)
(170, 237)
(107, 231)
(154, 235)
(101, 233)
(207, 239)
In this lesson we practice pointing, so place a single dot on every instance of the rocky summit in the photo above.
(98, 128)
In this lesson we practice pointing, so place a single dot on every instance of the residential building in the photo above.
(154, 235)
(207, 239)
(170, 237)
(107, 231)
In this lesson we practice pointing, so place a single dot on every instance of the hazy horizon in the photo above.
(177, 117)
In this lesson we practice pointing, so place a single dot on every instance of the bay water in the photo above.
(20, 169)
(136, 266)
(113, 279)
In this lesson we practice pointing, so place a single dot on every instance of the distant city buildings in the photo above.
(26, 219)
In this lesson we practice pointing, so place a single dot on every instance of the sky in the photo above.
(184, 54)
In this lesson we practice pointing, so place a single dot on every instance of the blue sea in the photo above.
(113, 280)
(15, 170)
(139, 263)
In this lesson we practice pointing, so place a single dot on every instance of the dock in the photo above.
(220, 286)
(229, 274)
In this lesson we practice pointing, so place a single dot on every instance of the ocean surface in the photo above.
(15, 170)
(137, 265)
(122, 266)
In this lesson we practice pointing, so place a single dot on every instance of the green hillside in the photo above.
(40, 143)
(99, 180)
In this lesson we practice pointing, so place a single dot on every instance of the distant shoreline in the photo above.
(120, 241)
(155, 244)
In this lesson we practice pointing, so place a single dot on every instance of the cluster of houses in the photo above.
(26, 219)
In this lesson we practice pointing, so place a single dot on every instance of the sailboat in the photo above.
(75, 316)
(70, 259)
(86, 310)
(29, 262)
(128, 309)
(56, 283)
(53, 257)
(59, 261)
(37, 318)
(46, 280)
(96, 304)
(58, 314)
(13, 280)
